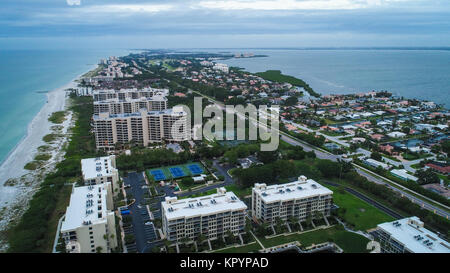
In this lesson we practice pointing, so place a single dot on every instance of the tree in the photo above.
(268, 156)
(376, 156)
(291, 101)
(329, 168)
(187, 181)
(201, 238)
(427, 177)
(446, 147)
(99, 249)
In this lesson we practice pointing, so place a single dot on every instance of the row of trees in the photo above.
(32, 232)
(399, 203)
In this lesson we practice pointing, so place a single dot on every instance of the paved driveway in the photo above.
(142, 232)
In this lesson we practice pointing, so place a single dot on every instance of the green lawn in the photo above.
(199, 194)
(349, 242)
(241, 249)
(358, 213)
(239, 191)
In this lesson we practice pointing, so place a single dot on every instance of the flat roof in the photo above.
(292, 191)
(128, 99)
(96, 167)
(192, 207)
(407, 230)
(82, 210)
(403, 173)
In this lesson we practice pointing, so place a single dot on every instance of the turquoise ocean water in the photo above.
(424, 74)
(25, 75)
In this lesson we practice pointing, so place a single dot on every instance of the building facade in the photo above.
(123, 94)
(100, 170)
(408, 235)
(89, 223)
(129, 105)
(213, 216)
(141, 128)
(301, 199)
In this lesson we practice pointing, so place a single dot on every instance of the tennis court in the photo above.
(158, 175)
(175, 172)
(195, 169)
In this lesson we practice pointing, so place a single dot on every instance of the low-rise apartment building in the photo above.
(100, 170)
(299, 199)
(141, 128)
(408, 235)
(212, 215)
(89, 223)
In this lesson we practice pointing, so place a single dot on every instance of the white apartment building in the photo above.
(222, 67)
(100, 170)
(122, 94)
(298, 199)
(408, 235)
(129, 105)
(142, 127)
(89, 223)
(211, 215)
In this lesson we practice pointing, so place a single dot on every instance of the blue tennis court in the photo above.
(158, 175)
(195, 169)
(176, 172)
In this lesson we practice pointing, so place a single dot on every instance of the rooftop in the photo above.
(84, 206)
(97, 167)
(303, 188)
(222, 201)
(411, 233)
(175, 111)
(128, 99)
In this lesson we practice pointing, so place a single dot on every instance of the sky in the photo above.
(26, 24)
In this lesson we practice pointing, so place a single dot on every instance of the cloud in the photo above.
(73, 2)
(282, 4)
(126, 9)
(295, 4)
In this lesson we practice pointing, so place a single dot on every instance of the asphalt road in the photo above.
(322, 155)
(139, 214)
(374, 203)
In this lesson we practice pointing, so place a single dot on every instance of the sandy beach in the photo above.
(14, 198)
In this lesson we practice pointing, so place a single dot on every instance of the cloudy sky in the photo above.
(223, 23)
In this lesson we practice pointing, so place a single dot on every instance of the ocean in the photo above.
(423, 74)
(26, 76)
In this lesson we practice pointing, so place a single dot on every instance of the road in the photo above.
(414, 199)
(363, 197)
(143, 234)
(228, 180)
(322, 154)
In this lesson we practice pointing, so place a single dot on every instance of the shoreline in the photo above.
(14, 198)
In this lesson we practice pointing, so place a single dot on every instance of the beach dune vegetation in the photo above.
(57, 117)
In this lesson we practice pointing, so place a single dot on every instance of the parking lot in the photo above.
(141, 226)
